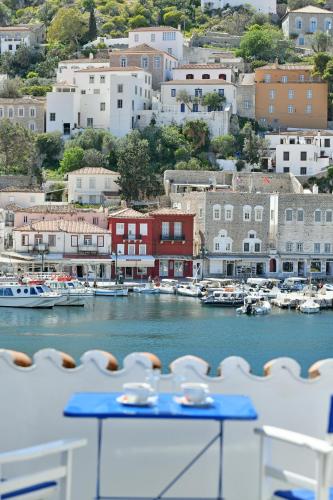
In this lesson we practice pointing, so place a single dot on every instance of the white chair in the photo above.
(308, 488)
(43, 483)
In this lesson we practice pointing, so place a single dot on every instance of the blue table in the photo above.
(101, 406)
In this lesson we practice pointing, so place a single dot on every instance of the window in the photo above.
(286, 155)
(10, 112)
(195, 107)
(201, 213)
(217, 246)
(25, 240)
(83, 92)
(228, 212)
(165, 230)
(299, 247)
(302, 171)
(270, 109)
(328, 215)
(309, 94)
(246, 104)
(100, 241)
(300, 215)
(303, 156)
(74, 241)
(52, 240)
(102, 79)
(95, 221)
(152, 37)
(289, 215)
(257, 247)
(301, 78)
(189, 76)
(313, 25)
(120, 228)
(144, 229)
(1, 113)
(327, 143)
(91, 79)
(258, 212)
(205, 76)
(301, 42)
(290, 109)
(32, 112)
(284, 79)
(120, 249)
(327, 248)
(272, 94)
(21, 112)
(298, 23)
(289, 246)
(131, 249)
(317, 216)
(136, 37)
(90, 122)
(178, 230)
(246, 213)
(32, 126)
(25, 218)
(97, 91)
(308, 109)
(246, 247)
(291, 94)
(144, 62)
(102, 106)
(119, 103)
(222, 76)
(169, 35)
(123, 62)
(173, 92)
(288, 267)
(142, 249)
(92, 183)
(38, 239)
(87, 240)
(267, 78)
(316, 247)
(216, 212)
(78, 183)
(120, 88)
(157, 62)
(328, 24)
(198, 92)
(221, 92)
(52, 117)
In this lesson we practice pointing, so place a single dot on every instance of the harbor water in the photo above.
(169, 327)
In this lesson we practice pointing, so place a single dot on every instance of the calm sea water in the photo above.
(170, 327)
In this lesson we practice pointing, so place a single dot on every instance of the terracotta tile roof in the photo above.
(202, 66)
(170, 211)
(93, 171)
(128, 213)
(55, 209)
(61, 226)
(288, 67)
(23, 100)
(311, 9)
(155, 28)
(13, 189)
(84, 60)
(140, 49)
(197, 82)
(105, 69)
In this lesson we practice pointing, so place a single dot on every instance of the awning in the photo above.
(15, 255)
(135, 261)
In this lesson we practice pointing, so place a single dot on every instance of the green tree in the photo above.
(264, 43)
(255, 147)
(17, 148)
(89, 6)
(320, 61)
(11, 88)
(321, 42)
(137, 179)
(72, 160)
(213, 100)
(69, 27)
(56, 191)
(173, 18)
(90, 138)
(5, 14)
(192, 164)
(49, 148)
(94, 158)
(224, 146)
(197, 133)
(138, 22)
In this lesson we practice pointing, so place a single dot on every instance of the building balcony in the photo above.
(132, 237)
(169, 238)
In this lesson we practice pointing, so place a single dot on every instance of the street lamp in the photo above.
(42, 250)
(116, 266)
(204, 252)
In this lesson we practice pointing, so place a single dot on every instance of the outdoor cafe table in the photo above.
(102, 406)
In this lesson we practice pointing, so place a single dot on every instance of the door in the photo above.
(300, 268)
(67, 128)
(128, 272)
(230, 269)
(79, 271)
(272, 266)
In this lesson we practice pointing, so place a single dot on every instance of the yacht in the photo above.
(26, 295)
(190, 288)
(225, 298)
(72, 291)
(309, 307)
(167, 286)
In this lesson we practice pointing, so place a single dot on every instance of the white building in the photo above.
(106, 98)
(92, 185)
(203, 72)
(164, 38)
(22, 197)
(301, 152)
(62, 236)
(12, 37)
(66, 69)
(265, 6)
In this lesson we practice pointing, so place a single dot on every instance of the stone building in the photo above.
(27, 111)
(301, 24)
(246, 98)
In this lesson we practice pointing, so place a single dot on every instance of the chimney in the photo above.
(315, 189)
(91, 55)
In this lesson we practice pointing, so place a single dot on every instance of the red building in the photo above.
(173, 243)
(158, 244)
(132, 243)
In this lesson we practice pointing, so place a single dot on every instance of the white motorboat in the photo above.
(27, 295)
(72, 291)
(254, 306)
(309, 307)
(148, 288)
(114, 291)
(225, 298)
(190, 288)
(167, 286)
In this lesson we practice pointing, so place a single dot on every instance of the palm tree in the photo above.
(198, 133)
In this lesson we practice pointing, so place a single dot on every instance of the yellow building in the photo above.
(287, 95)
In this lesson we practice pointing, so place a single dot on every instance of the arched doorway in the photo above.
(272, 266)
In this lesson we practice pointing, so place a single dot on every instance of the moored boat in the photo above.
(225, 298)
(113, 291)
(26, 295)
(147, 288)
(255, 306)
(167, 286)
(309, 307)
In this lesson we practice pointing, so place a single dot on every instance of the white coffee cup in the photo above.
(138, 391)
(195, 392)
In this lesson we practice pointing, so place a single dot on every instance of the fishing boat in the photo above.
(167, 286)
(27, 295)
(254, 306)
(148, 288)
(225, 298)
(113, 291)
(309, 307)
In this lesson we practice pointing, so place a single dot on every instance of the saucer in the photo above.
(181, 400)
(132, 401)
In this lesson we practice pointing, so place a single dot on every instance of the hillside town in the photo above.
(157, 156)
